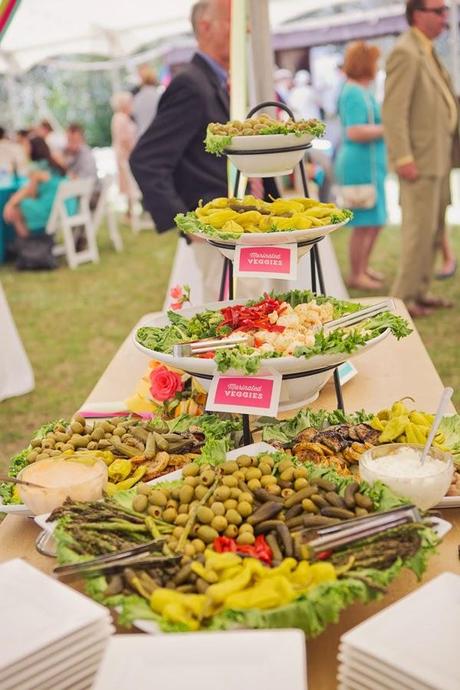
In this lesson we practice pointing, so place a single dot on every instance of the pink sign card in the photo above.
(277, 261)
(245, 394)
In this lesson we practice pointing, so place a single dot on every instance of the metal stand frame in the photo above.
(317, 279)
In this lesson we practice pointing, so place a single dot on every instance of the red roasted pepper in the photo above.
(260, 549)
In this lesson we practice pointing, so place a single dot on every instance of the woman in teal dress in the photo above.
(362, 158)
(30, 207)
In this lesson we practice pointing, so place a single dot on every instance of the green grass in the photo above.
(441, 331)
(72, 322)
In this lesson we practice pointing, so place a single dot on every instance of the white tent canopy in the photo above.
(42, 29)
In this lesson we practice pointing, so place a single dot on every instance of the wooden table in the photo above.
(388, 372)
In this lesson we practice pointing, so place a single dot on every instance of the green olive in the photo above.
(191, 481)
(267, 480)
(229, 467)
(143, 489)
(300, 483)
(181, 519)
(177, 531)
(222, 493)
(233, 517)
(183, 508)
(254, 484)
(231, 531)
(244, 509)
(204, 515)
(207, 477)
(218, 508)
(154, 511)
(186, 493)
(198, 545)
(300, 473)
(77, 426)
(253, 473)
(140, 503)
(245, 538)
(169, 515)
(243, 460)
(235, 492)
(274, 489)
(157, 498)
(219, 523)
(230, 503)
(190, 470)
(200, 491)
(230, 481)
(207, 534)
(246, 527)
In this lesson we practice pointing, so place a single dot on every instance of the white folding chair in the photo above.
(61, 221)
(105, 210)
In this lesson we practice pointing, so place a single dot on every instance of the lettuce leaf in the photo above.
(450, 427)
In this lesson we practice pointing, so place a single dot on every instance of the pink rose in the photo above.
(165, 383)
(176, 292)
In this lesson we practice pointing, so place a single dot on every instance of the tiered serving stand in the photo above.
(306, 245)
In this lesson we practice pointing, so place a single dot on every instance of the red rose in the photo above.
(165, 383)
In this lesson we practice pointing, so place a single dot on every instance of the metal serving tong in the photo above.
(360, 315)
(336, 536)
(198, 347)
(137, 556)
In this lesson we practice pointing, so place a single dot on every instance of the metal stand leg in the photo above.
(247, 436)
(338, 391)
(223, 280)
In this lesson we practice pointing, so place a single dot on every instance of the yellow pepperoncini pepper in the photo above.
(119, 470)
(219, 218)
(395, 427)
(233, 226)
(322, 572)
(221, 561)
(177, 613)
(219, 592)
(302, 575)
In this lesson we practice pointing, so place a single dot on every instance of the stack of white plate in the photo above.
(268, 659)
(50, 635)
(411, 645)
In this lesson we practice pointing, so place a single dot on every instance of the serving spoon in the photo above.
(14, 480)
(445, 398)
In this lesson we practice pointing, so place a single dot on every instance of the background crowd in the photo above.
(157, 139)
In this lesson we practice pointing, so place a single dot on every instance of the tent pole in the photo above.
(454, 45)
(261, 53)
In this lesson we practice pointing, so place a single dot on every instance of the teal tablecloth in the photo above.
(7, 187)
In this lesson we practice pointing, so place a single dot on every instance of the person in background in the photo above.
(56, 141)
(123, 139)
(29, 208)
(362, 159)
(80, 160)
(23, 139)
(146, 99)
(421, 120)
(302, 99)
(12, 156)
(169, 161)
(283, 83)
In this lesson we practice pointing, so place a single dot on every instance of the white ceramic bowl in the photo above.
(269, 164)
(294, 392)
(84, 483)
(424, 491)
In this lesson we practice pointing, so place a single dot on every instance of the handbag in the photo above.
(356, 196)
(35, 253)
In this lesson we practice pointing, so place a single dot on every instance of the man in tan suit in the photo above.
(421, 122)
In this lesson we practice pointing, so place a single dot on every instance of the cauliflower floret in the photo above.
(265, 337)
(266, 348)
(273, 317)
(326, 312)
(289, 319)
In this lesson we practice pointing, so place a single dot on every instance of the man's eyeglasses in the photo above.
(435, 10)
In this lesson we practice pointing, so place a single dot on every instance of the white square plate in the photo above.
(268, 659)
(38, 611)
(417, 635)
